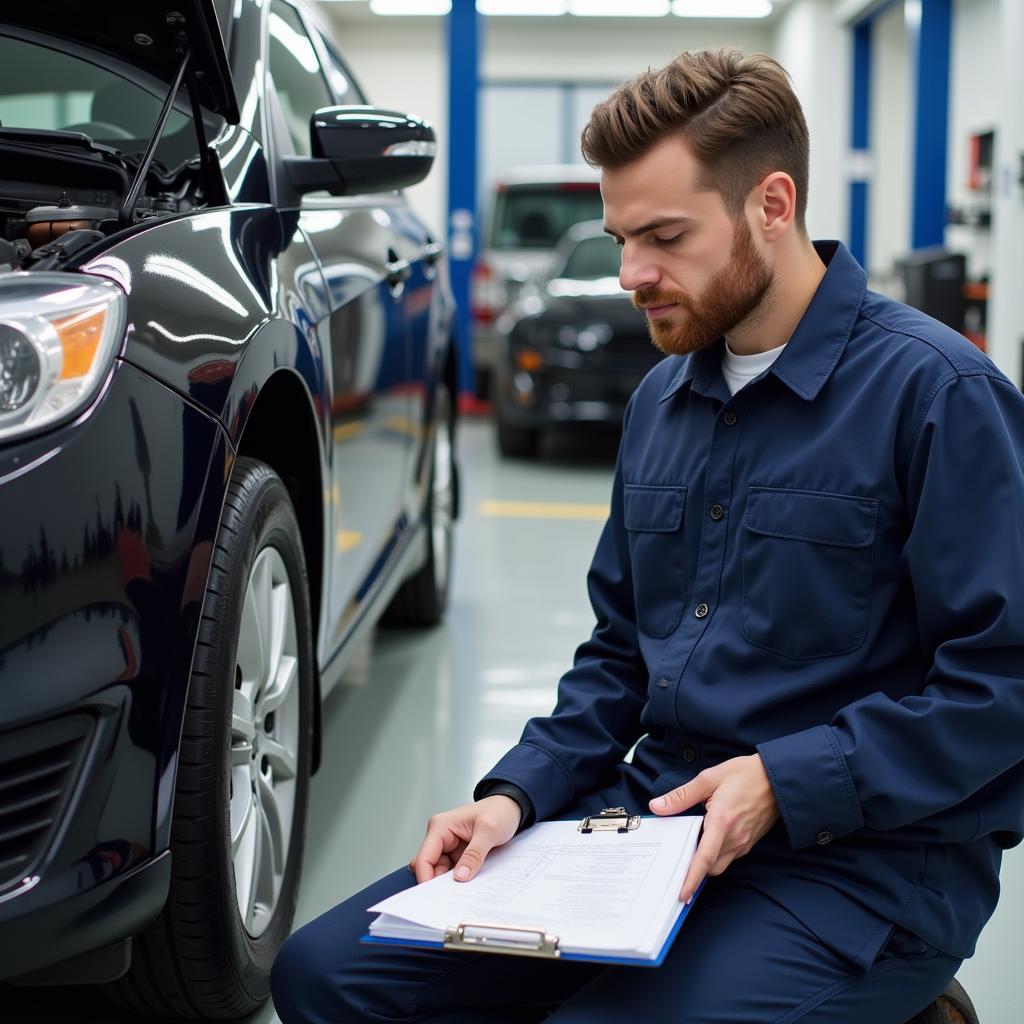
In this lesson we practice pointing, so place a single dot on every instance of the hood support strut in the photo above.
(187, 74)
(124, 216)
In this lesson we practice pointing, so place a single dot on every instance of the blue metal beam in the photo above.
(931, 46)
(463, 79)
(860, 141)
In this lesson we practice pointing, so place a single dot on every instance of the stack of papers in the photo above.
(605, 896)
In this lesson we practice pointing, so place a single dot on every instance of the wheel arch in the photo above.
(281, 430)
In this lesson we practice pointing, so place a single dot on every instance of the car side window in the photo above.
(295, 73)
(345, 86)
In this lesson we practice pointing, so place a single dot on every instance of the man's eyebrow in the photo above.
(661, 222)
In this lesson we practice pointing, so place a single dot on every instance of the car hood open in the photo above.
(149, 34)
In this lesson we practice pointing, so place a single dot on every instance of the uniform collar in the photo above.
(817, 343)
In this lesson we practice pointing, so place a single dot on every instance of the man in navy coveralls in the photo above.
(810, 612)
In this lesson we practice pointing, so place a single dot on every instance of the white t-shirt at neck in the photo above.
(739, 371)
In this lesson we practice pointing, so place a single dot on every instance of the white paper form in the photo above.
(604, 893)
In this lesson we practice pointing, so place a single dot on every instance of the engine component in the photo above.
(45, 223)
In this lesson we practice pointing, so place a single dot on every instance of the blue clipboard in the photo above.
(535, 942)
(542, 950)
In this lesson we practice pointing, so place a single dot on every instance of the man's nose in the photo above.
(637, 272)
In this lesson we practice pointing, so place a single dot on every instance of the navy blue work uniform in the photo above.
(826, 568)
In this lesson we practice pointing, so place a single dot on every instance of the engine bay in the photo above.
(62, 193)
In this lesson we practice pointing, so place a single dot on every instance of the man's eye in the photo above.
(618, 242)
(669, 241)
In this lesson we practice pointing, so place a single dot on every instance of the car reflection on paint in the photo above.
(572, 348)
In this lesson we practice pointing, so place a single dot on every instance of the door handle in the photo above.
(398, 270)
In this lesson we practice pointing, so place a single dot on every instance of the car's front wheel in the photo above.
(243, 772)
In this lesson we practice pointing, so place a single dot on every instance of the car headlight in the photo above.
(58, 336)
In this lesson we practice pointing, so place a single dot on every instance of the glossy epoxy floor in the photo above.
(424, 715)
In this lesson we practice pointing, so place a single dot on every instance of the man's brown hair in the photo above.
(739, 116)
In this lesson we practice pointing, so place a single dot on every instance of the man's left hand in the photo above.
(740, 808)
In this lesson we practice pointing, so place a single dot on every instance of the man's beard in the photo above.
(729, 298)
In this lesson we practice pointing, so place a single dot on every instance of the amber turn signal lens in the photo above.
(80, 336)
(527, 359)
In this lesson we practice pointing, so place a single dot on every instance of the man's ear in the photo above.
(775, 196)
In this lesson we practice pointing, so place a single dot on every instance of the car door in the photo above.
(364, 336)
(411, 243)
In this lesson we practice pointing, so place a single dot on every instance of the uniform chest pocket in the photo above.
(653, 517)
(808, 560)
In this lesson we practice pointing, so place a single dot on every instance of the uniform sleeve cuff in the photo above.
(544, 781)
(812, 785)
(491, 788)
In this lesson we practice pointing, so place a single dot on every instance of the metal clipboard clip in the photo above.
(497, 938)
(611, 819)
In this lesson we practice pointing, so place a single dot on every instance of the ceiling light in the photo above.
(410, 6)
(619, 8)
(536, 8)
(722, 8)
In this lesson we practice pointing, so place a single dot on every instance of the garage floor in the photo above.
(424, 715)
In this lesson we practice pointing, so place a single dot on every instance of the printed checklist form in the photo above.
(558, 892)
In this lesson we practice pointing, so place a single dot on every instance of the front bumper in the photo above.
(104, 554)
(563, 394)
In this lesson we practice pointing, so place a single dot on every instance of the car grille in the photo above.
(38, 768)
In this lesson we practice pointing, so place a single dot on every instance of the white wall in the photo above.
(973, 108)
(1006, 305)
(891, 141)
(603, 49)
(815, 49)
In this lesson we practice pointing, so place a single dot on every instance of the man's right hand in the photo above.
(463, 837)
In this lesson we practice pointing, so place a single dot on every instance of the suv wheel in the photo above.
(243, 772)
(422, 599)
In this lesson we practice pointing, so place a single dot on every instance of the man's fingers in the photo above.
(704, 860)
(443, 864)
(677, 800)
(430, 851)
(471, 859)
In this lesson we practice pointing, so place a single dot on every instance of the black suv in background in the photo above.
(226, 449)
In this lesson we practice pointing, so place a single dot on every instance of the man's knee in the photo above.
(300, 984)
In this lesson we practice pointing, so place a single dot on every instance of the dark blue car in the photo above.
(226, 450)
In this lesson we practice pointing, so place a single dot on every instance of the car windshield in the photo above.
(591, 259)
(47, 89)
(536, 216)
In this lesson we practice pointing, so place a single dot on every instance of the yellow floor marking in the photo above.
(346, 431)
(543, 510)
(348, 539)
(402, 425)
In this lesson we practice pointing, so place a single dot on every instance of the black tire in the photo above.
(422, 599)
(197, 959)
(517, 442)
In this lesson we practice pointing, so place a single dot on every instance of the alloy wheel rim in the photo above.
(443, 503)
(264, 741)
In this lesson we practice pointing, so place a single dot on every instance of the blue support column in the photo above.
(860, 142)
(463, 77)
(931, 45)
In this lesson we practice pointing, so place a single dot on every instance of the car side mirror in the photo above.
(359, 149)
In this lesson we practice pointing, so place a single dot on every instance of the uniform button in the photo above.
(689, 755)
(701, 610)
(717, 512)
(730, 418)
(824, 837)
(663, 683)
